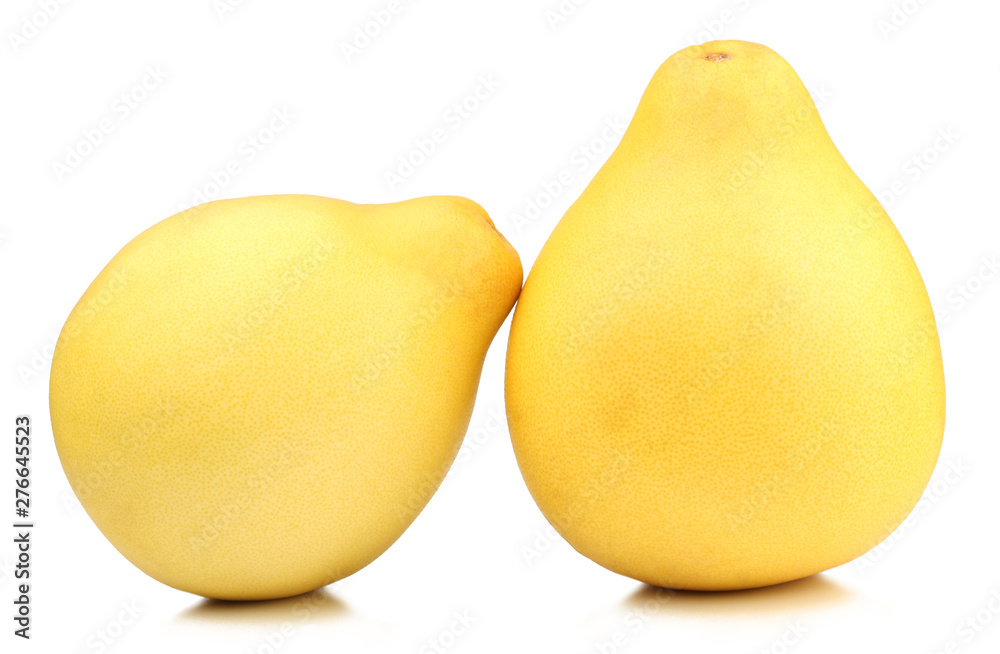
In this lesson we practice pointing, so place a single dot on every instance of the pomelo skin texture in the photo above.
(257, 396)
(723, 370)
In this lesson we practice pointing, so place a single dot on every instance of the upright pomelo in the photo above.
(724, 370)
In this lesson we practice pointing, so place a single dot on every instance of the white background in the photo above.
(481, 548)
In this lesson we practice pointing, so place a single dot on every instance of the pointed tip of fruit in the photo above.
(468, 244)
(474, 210)
(723, 51)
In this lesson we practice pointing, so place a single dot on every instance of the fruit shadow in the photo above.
(813, 593)
(315, 607)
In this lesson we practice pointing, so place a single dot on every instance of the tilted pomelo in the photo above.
(723, 370)
(257, 396)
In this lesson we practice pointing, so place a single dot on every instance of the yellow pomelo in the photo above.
(257, 396)
(723, 370)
